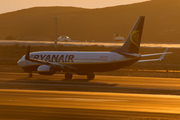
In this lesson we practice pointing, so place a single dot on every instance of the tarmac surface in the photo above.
(105, 97)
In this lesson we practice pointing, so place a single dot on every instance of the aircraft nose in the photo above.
(19, 63)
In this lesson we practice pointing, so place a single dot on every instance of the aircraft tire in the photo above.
(68, 76)
(90, 76)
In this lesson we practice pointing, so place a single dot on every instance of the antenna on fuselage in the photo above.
(27, 53)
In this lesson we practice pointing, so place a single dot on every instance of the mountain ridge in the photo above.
(38, 23)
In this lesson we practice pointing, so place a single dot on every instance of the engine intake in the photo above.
(45, 70)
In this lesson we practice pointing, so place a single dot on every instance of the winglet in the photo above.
(163, 55)
(27, 53)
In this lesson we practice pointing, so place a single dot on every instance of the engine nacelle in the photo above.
(45, 70)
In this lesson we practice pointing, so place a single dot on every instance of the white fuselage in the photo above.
(78, 59)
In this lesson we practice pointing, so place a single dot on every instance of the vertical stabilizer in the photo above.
(132, 43)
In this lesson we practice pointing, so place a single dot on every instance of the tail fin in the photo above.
(133, 40)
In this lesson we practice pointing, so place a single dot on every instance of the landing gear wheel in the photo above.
(90, 76)
(30, 75)
(68, 76)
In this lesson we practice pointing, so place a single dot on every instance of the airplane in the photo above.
(86, 63)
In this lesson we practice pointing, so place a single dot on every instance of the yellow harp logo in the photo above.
(134, 37)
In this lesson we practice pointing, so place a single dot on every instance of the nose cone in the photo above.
(19, 63)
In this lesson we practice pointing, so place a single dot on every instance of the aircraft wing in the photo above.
(154, 54)
(53, 64)
(159, 59)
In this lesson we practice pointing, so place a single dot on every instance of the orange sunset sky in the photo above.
(13, 5)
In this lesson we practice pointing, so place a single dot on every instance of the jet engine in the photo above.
(45, 70)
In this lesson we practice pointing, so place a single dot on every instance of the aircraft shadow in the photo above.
(58, 85)
(82, 85)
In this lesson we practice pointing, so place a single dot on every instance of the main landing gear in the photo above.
(68, 76)
(90, 76)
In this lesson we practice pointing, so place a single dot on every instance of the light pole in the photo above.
(56, 32)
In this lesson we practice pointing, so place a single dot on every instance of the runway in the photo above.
(106, 97)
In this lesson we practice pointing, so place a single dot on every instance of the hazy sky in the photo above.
(12, 5)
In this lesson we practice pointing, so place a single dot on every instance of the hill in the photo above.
(161, 24)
